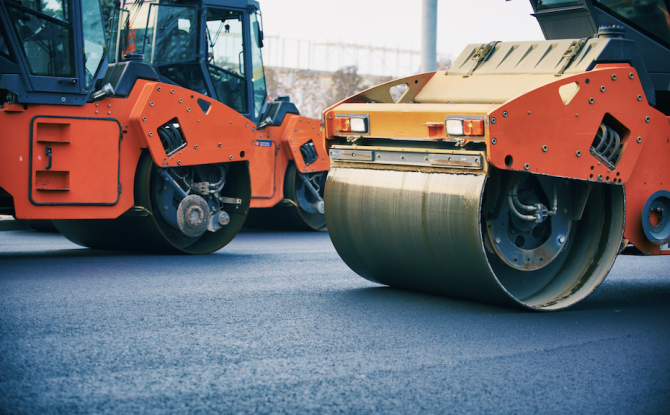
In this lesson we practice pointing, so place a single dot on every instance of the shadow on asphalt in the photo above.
(99, 253)
(64, 253)
(406, 299)
(610, 295)
(628, 293)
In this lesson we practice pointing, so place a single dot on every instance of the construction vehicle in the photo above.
(114, 157)
(212, 48)
(513, 177)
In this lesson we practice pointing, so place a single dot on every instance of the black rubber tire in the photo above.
(292, 217)
(152, 233)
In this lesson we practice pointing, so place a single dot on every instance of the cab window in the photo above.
(650, 16)
(225, 57)
(115, 31)
(258, 74)
(175, 30)
(45, 35)
(548, 4)
(3, 46)
(95, 45)
(58, 9)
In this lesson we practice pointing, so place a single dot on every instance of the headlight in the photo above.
(352, 123)
(460, 125)
(455, 127)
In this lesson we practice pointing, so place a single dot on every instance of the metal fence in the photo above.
(325, 56)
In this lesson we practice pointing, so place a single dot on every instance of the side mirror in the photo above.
(259, 34)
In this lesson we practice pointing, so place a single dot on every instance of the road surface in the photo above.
(276, 323)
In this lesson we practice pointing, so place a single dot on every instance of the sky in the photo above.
(397, 24)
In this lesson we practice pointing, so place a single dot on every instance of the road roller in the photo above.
(515, 177)
(113, 156)
(219, 55)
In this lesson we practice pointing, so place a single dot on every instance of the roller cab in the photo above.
(511, 178)
(213, 47)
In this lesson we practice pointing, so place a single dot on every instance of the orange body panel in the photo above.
(58, 176)
(213, 136)
(540, 118)
(95, 149)
(268, 172)
(264, 168)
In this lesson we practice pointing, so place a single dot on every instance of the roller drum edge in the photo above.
(423, 231)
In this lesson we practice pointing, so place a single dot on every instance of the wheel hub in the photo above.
(527, 235)
(193, 215)
(656, 217)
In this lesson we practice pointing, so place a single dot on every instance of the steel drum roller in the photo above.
(424, 231)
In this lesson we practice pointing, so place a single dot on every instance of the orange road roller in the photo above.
(514, 177)
(115, 157)
(213, 47)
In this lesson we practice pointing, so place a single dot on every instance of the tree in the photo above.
(273, 83)
(444, 64)
(345, 82)
(308, 93)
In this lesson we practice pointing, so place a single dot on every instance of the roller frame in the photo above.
(536, 125)
(565, 129)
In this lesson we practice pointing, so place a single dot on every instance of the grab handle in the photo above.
(49, 154)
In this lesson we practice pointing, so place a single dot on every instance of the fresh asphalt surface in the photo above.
(277, 323)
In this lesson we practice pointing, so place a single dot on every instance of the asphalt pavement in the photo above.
(276, 323)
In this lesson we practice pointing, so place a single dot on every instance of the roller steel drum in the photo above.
(424, 231)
